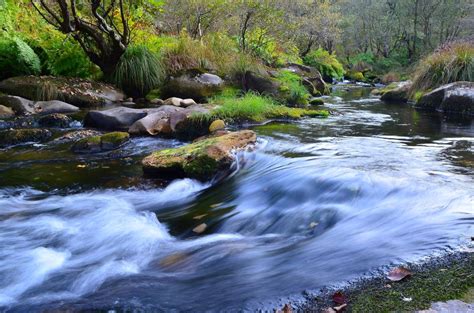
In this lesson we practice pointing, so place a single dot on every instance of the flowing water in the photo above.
(320, 201)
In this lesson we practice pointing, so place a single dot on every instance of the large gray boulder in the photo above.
(263, 84)
(76, 91)
(120, 118)
(454, 98)
(156, 122)
(24, 106)
(171, 121)
(194, 85)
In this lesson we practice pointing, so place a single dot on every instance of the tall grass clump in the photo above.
(138, 71)
(17, 58)
(450, 63)
(327, 63)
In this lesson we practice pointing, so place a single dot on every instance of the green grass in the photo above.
(424, 287)
(450, 63)
(138, 71)
(254, 108)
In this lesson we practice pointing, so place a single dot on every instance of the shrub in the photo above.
(66, 58)
(451, 62)
(391, 77)
(17, 58)
(356, 76)
(297, 94)
(138, 71)
(325, 62)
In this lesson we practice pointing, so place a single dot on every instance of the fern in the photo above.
(17, 58)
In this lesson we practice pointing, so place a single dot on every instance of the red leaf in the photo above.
(339, 298)
(398, 274)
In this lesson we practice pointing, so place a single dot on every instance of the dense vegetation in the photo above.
(137, 43)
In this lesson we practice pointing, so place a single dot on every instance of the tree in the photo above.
(99, 26)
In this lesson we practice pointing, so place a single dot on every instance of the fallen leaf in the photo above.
(200, 228)
(216, 205)
(407, 299)
(339, 298)
(198, 217)
(172, 259)
(398, 274)
(81, 166)
(329, 310)
(313, 225)
(388, 286)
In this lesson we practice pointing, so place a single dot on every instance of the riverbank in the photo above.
(437, 279)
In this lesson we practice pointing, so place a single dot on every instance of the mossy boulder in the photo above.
(76, 91)
(200, 160)
(18, 136)
(107, 142)
(216, 125)
(396, 92)
(455, 98)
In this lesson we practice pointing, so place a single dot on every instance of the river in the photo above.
(319, 202)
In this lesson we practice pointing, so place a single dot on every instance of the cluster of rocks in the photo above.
(46, 102)
(455, 98)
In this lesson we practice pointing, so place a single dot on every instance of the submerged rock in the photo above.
(200, 160)
(194, 85)
(18, 136)
(55, 120)
(76, 135)
(396, 92)
(76, 91)
(94, 144)
(455, 98)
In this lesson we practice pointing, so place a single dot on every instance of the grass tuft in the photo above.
(450, 63)
(138, 71)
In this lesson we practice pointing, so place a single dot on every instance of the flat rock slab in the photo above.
(200, 160)
(453, 306)
(76, 91)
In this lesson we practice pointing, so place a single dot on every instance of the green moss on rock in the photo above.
(107, 142)
(18, 136)
(200, 160)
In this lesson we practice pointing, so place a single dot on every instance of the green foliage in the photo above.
(17, 58)
(291, 84)
(453, 62)
(256, 108)
(66, 58)
(356, 76)
(138, 71)
(326, 63)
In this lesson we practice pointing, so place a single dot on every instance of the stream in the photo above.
(319, 202)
